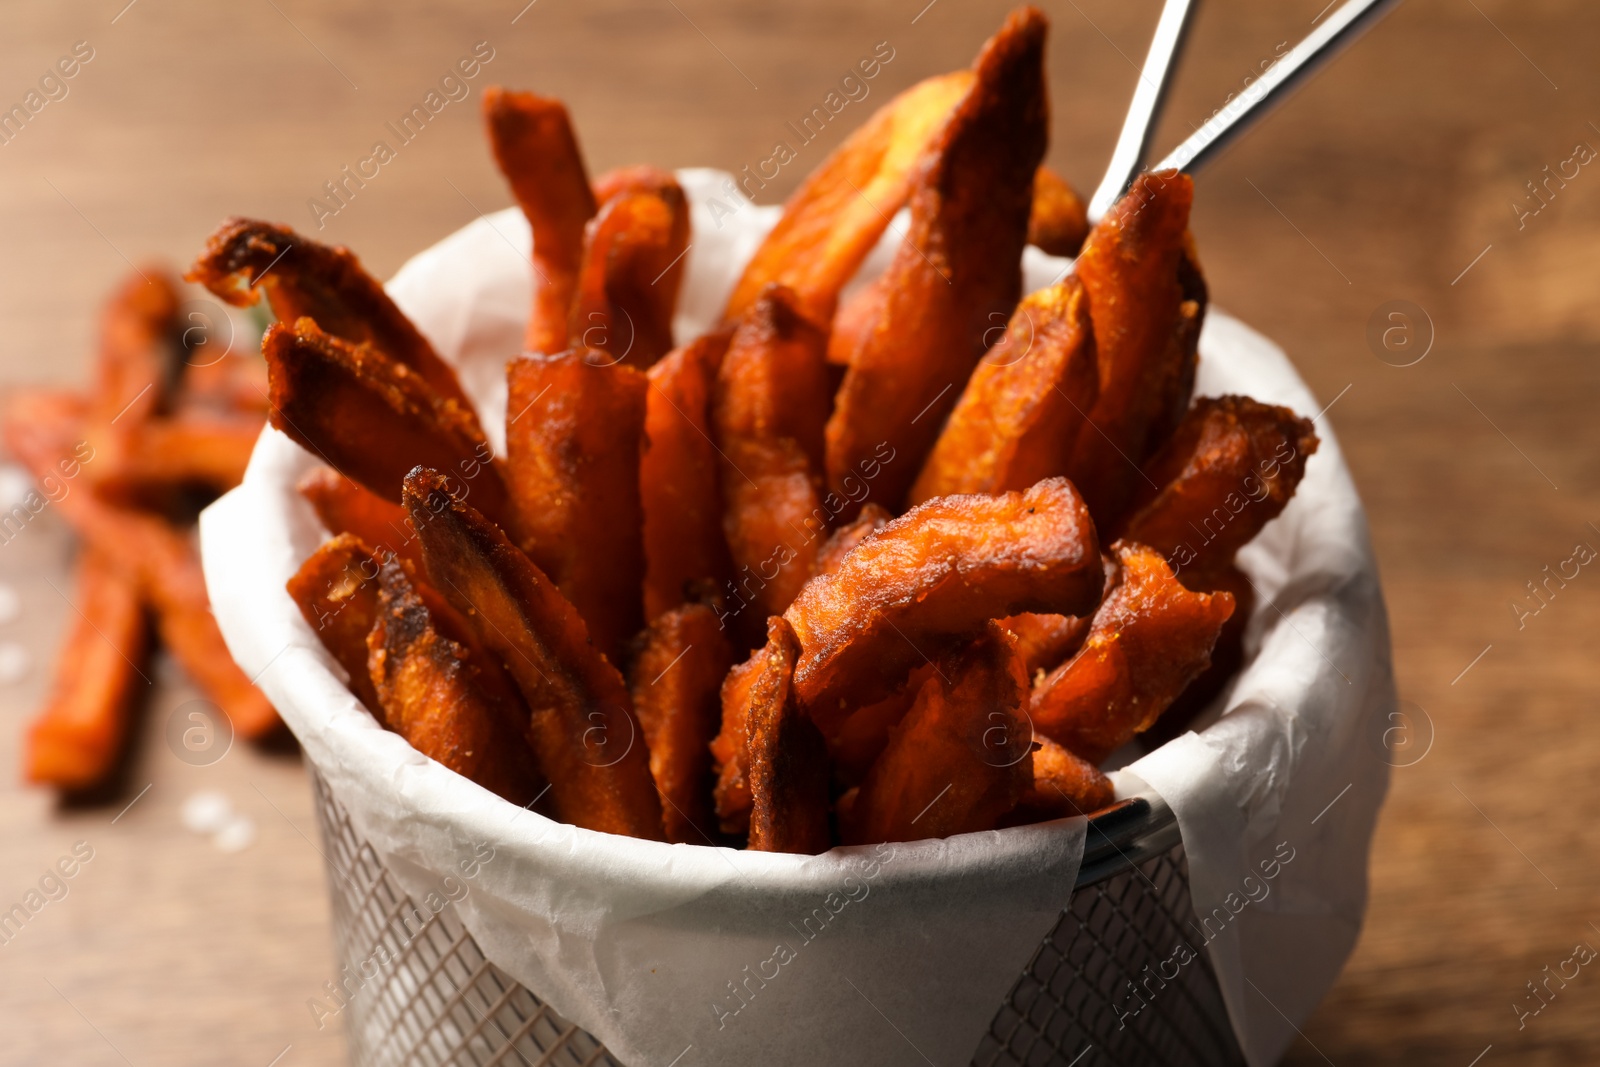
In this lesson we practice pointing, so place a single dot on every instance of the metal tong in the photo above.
(1238, 114)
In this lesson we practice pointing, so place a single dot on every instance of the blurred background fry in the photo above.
(1418, 228)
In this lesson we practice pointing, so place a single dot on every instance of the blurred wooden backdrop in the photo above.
(1397, 175)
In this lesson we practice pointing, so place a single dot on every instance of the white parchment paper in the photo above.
(894, 954)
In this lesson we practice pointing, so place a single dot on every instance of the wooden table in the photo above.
(1393, 177)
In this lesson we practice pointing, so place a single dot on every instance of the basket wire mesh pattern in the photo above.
(433, 999)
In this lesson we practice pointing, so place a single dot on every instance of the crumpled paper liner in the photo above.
(896, 953)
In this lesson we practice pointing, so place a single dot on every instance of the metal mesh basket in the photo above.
(437, 1000)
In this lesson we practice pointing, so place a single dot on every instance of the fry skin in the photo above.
(1132, 269)
(634, 178)
(840, 211)
(873, 518)
(305, 279)
(187, 449)
(933, 576)
(1227, 657)
(136, 370)
(957, 274)
(1024, 405)
(771, 403)
(585, 737)
(627, 286)
(538, 153)
(1150, 638)
(433, 694)
(74, 743)
(373, 419)
(1230, 468)
(730, 749)
(677, 677)
(788, 759)
(679, 477)
(344, 507)
(962, 756)
(336, 590)
(1059, 221)
(572, 458)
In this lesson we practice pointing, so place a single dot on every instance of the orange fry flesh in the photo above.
(538, 153)
(75, 742)
(572, 460)
(1230, 468)
(634, 178)
(1150, 638)
(936, 574)
(627, 286)
(730, 749)
(679, 477)
(1227, 656)
(373, 419)
(771, 404)
(586, 740)
(345, 507)
(838, 214)
(960, 759)
(676, 684)
(1059, 221)
(957, 274)
(186, 449)
(134, 372)
(336, 590)
(305, 279)
(432, 694)
(1133, 267)
(1024, 405)
(788, 758)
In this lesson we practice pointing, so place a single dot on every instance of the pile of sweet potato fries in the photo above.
(168, 423)
(901, 566)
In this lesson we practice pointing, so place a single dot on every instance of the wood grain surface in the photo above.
(1396, 175)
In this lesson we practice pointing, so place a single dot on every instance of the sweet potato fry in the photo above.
(676, 681)
(635, 178)
(863, 736)
(730, 749)
(305, 279)
(873, 518)
(1020, 414)
(933, 576)
(186, 449)
(336, 590)
(585, 737)
(1227, 657)
(962, 756)
(788, 759)
(433, 694)
(75, 742)
(1230, 468)
(136, 370)
(627, 286)
(957, 274)
(1063, 786)
(838, 214)
(344, 507)
(1043, 641)
(572, 455)
(538, 153)
(1132, 269)
(679, 477)
(373, 419)
(1059, 221)
(40, 430)
(1150, 638)
(771, 403)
